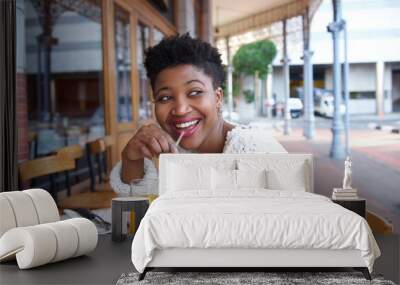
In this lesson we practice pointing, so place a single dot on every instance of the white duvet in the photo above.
(250, 219)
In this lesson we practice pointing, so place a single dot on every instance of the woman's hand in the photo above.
(149, 141)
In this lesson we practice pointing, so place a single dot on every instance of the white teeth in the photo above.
(187, 124)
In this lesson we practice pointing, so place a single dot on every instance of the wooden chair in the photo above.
(46, 166)
(33, 145)
(378, 224)
(73, 152)
(101, 193)
(98, 150)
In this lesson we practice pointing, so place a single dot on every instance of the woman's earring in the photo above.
(219, 109)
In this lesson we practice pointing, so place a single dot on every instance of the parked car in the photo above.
(324, 103)
(295, 107)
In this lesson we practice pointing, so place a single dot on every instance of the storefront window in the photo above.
(63, 51)
(123, 65)
(142, 43)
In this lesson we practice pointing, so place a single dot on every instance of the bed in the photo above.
(245, 211)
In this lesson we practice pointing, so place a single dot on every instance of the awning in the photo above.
(234, 17)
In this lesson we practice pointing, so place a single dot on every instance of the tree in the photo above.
(255, 57)
(248, 95)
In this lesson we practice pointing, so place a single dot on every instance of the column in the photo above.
(308, 85)
(268, 93)
(257, 95)
(346, 71)
(286, 82)
(337, 147)
(185, 17)
(207, 26)
(45, 43)
(380, 88)
(309, 119)
(229, 81)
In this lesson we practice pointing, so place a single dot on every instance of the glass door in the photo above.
(121, 75)
(127, 33)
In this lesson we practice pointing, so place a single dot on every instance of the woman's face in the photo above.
(185, 101)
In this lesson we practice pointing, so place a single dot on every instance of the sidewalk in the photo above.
(376, 167)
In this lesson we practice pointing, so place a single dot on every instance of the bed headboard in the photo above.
(284, 165)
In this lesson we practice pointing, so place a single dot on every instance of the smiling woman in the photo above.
(186, 101)
(185, 75)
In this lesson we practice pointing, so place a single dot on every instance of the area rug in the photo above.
(229, 278)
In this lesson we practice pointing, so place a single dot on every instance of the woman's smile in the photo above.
(188, 125)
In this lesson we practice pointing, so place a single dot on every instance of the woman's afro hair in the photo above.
(182, 49)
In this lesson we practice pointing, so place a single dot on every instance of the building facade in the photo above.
(373, 54)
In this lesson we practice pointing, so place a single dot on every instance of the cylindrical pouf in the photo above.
(7, 218)
(37, 245)
(46, 208)
(87, 235)
(23, 208)
(67, 240)
(34, 245)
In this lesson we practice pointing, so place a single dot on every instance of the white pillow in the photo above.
(223, 179)
(293, 180)
(251, 178)
(188, 177)
(282, 174)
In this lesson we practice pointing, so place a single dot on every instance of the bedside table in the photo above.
(358, 206)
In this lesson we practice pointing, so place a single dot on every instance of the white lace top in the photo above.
(241, 139)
